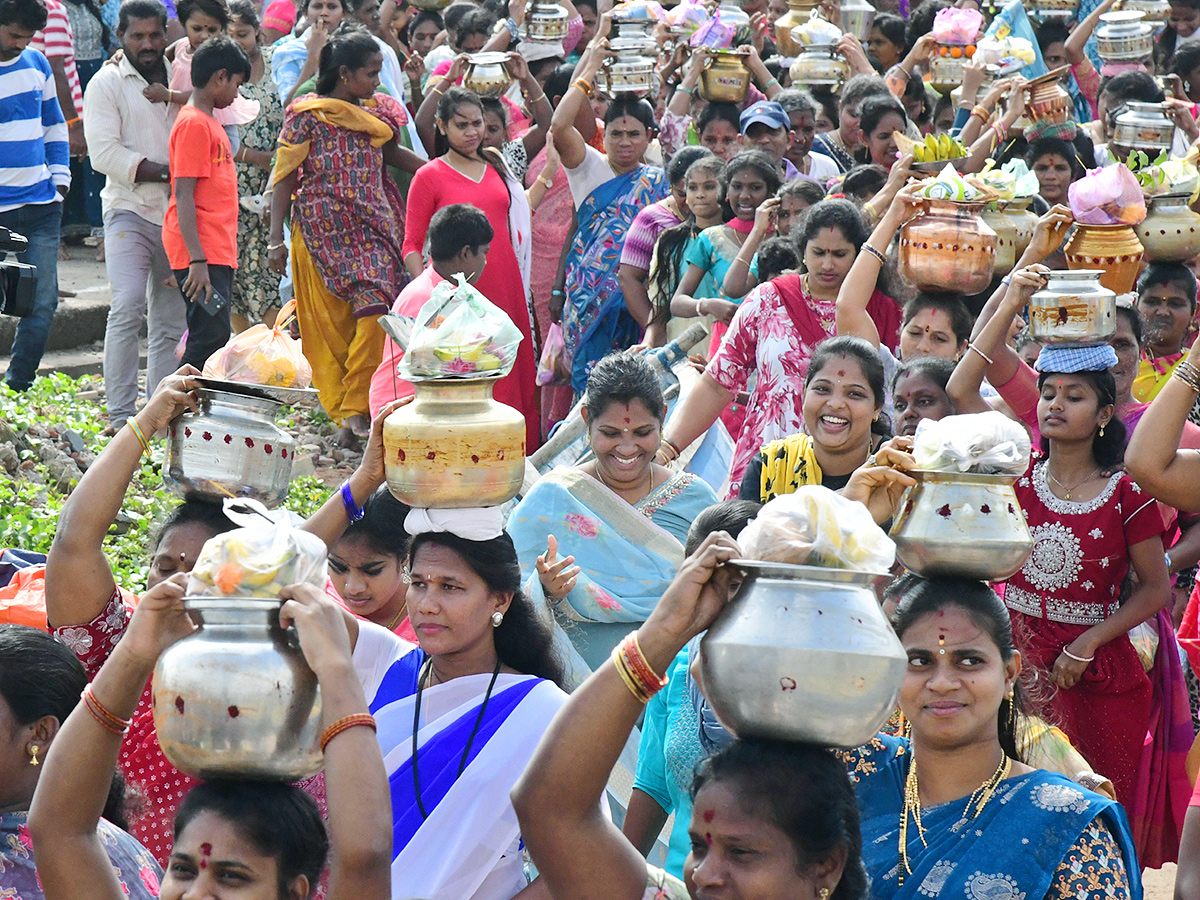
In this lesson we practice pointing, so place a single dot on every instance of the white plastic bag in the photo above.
(816, 527)
(459, 332)
(987, 443)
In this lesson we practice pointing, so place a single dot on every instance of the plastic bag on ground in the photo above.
(988, 443)
(459, 332)
(816, 527)
(262, 355)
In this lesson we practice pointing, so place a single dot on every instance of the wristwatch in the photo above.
(165, 174)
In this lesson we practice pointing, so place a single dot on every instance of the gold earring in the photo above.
(33, 752)
(1012, 712)
(1101, 431)
(823, 893)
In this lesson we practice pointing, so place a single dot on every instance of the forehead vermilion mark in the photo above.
(708, 815)
(841, 373)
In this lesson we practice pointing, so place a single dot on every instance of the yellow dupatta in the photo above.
(787, 464)
(338, 113)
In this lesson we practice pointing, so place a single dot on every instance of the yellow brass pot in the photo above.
(454, 446)
(725, 78)
(797, 14)
(948, 248)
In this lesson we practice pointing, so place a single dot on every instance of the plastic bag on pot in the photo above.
(1108, 196)
(988, 443)
(460, 333)
(259, 559)
(262, 355)
(816, 527)
(957, 26)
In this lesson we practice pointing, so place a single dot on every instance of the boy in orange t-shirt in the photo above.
(200, 228)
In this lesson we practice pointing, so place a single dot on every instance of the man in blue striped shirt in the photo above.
(35, 172)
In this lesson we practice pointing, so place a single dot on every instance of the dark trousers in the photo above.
(207, 333)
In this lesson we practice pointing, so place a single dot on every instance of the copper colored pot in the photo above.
(1113, 248)
(948, 248)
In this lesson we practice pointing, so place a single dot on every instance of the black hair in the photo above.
(872, 113)
(477, 21)
(219, 53)
(811, 192)
(758, 161)
(682, 160)
(457, 226)
(559, 81)
(804, 791)
(920, 20)
(1164, 273)
(828, 101)
(524, 640)
(381, 525)
(141, 9)
(936, 368)
(633, 106)
(39, 676)
(832, 212)
(961, 321)
(1132, 85)
(495, 107)
(1186, 61)
(215, 9)
(920, 597)
(1109, 448)
(447, 108)
(590, 4)
(1050, 32)
(1052, 145)
(915, 89)
(864, 180)
(538, 66)
(872, 367)
(279, 820)
(246, 11)
(623, 378)
(892, 27)
(29, 15)
(730, 516)
(350, 45)
(719, 112)
(453, 14)
(860, 87)
(776, 255)
(1130, 315)
(199, 510)
(667, 259)
(423, 16)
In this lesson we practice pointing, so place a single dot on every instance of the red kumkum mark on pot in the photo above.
(944, 512)
(283, 452)
(229, 438)
(985, 509)
(500, 454)
(187, 432)
(179, 704)
(474, 457)
(1011, 511)
(269, 449)
(207, 435)
(787, 684)
(400, 455)
(430, 455)
(234, 712)
(250, 443)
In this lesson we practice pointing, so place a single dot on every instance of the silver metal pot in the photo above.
(630, 69)
(803, 654)
(1124, 36)
(1073, 308)
(232, 448)
(1143, 126)
(486, 74)
(961, 525)
(546, 23)
(236, 698)
(819, 66)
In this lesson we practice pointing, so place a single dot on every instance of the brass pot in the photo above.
(1047, 99)
(819, 67)
(1013, 223)
(946, 70)
(797, 14)
(1171, 229)
(961, 525)
(486, 74)
(948, 248)
(454, 446)
(546, 23)
(1113, 248)
(726, 78)
(236, 699)
(1073, 308)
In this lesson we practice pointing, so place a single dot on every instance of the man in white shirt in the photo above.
(127, 137)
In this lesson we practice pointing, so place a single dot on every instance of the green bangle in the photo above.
(686, 90)
(774, 81)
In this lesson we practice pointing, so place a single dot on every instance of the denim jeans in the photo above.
(40, 224)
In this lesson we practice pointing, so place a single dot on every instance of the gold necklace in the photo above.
(912, 806)
(1067, 490)
(391, 626)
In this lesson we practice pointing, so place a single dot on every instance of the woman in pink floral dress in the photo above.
(772, 337)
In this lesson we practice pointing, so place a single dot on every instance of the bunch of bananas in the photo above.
(938, 148)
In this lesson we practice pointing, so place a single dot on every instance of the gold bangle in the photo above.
(628, 677)
(141, 437)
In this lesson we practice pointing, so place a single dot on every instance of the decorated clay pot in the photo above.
(948, 248)
(1013, 223)
(1112, 248)
(1171, 229)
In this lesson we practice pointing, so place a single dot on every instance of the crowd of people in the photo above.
(520, 667)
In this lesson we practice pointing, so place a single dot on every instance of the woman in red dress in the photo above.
(466, 173)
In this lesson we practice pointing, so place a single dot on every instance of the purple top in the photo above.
(643, 233)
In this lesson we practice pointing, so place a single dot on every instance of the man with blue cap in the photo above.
(766, 126)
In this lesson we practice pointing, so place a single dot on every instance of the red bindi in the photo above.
(627, 420)
(708, 838)
(206, 849)
(708, 815)
(841, 373)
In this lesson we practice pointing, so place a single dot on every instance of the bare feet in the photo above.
(100, 249)
(345, 438)
(359, 424)
(62, 252)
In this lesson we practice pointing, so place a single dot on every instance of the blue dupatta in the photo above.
(595, 321)
(628, 555)
(1010, 851)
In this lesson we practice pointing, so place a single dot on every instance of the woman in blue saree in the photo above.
(953, 812)
(601, 541)
(609, 190)
(460, 716)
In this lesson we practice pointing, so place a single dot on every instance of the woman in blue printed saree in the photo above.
(474, 700)
(609, 190)
(602, 540)
(953, 812)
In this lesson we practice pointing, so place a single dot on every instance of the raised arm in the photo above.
(580, 854)
(536, 100)
(317, 38)
(79, 581)
(426, 117)
(1073, 47)
(993, 139)
(1152, 458)
(739, 280)
(572, 146)
(700, 408)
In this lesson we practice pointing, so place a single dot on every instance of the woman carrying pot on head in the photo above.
(40, 683)
(297, 57)
(773, 335)
(769, 819)
(609, 190)
(604, 538)
(468, 172)
(1091, 525)
(261, 839)
(461, 715)
(918, 392)
(953, 809)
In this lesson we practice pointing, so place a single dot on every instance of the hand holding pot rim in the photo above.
(694, 599)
